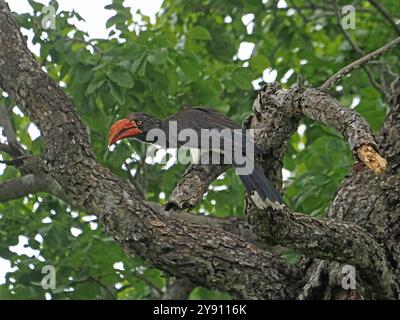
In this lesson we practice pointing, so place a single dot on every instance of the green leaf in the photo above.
(259, 62)
(124, 64)
(207, 92)
(93, 86)
(242, 79)
(36, 6)
(189, 68)
(158, 57)
(121, 77)
(22, 19)
(142, 68)
(81, 74)
(291, 257)
(117, 93)
(373, 111)
(199, 33)
(139, 65)
(136, 63)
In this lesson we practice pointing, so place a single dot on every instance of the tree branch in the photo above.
(194, 183)
(14, 148)
(34, 180)
(21, 187)
(30, 184)
(319, 238)
(205, 255)
(326, 239)
(318, 106)
(390, 132)
(358, 63)
(233, 225)
(208, 257)
(386, 14)
(6, 148)
(358, 50)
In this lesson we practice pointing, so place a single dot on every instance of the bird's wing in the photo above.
(204, 118)
(219, 119)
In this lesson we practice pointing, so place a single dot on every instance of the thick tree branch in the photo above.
(373, 202)
(34, 181)
(208, 257)
(21, 187)
(278, 111)
(233, 225)
(194, 183)
(318, 106)
(320, 238)
(359, 63)
(390, 133)
(326, 239)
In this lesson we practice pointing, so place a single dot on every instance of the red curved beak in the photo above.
(122, 129)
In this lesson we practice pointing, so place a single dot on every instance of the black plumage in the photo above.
(256, 183)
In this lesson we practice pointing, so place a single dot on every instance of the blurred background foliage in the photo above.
(188, 57)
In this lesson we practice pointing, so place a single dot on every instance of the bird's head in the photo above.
(134, 125)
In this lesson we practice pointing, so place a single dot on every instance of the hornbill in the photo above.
(139, 125)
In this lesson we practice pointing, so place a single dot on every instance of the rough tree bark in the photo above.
(361, 229)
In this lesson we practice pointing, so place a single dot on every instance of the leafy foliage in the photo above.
(189, 57)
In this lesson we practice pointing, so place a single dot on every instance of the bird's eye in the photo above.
(138, 122)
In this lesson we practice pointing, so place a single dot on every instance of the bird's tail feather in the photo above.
(259, 186)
